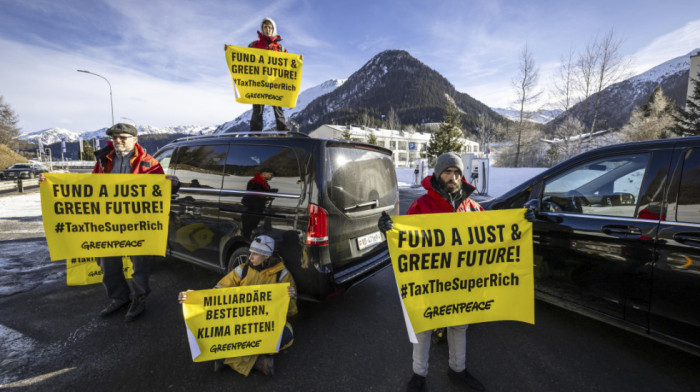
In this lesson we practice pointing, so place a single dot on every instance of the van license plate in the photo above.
(368, 240)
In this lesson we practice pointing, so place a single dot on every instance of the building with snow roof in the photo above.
(406, 146)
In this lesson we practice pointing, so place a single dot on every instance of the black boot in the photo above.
(113, 307)
(464, 378)
(138, 305)
(417, 384)
(265, 364)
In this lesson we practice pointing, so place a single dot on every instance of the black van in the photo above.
(321, 204)
(618, 236)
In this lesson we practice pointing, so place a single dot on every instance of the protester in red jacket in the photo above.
(439, 200)
(447, 192)
(124, 155)
(269, 40)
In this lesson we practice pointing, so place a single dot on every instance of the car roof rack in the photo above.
(264, 133)
(244, 134)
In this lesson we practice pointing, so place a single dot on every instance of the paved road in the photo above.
(54, 340)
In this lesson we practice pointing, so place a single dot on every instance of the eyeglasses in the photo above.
(122, 138)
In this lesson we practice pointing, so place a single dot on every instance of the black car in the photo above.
(321, 206)
(23, 170)
(618, 236)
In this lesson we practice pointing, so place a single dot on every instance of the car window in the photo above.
(200, 166)
(360, 179)
(164, 157)
(689, 193)
(606, 186)
(244, 161)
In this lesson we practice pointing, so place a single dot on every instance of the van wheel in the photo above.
(237, 258)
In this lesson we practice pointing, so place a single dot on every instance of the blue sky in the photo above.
(165, 60)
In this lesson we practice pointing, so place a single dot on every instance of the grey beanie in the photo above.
(263, 245)
(122, 128)
(447, 160)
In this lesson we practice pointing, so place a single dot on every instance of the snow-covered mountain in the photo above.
(541, 116)
(305, 97)
(619, 99)
(395, 82)
(56, 135)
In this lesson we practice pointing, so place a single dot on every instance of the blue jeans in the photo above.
(115, 283)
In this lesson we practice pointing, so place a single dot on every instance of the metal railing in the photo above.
(18, 185)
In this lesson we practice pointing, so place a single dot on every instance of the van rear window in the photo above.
(360, 179)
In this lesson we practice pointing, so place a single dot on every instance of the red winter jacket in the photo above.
(141, 163)
(269, 43)
(433, 202)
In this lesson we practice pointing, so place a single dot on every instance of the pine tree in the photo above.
(346, 133)
(688, 118)
(372, 138)
(447, 137)
(88, 151)
(652, 120)
(8, 123)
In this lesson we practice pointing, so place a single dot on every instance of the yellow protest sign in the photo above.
(235, 321)
(264, 77)
(463, 268)
(101, 215)
(84, 271)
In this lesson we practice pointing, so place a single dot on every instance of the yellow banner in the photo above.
(84, 271)
(264, 77)
(463, 268)
(235, 321)
(101, 215)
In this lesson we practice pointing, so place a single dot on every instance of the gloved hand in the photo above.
(532, 209)
(385, 224)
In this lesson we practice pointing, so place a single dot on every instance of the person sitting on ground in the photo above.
(261, 267)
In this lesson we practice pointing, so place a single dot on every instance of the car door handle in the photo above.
(688, 238)
(192, 210)
(620, 231)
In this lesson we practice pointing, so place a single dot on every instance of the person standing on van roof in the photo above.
(261, 267)
(124, 155)
(269, 40)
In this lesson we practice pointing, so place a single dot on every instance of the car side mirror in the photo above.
(533, 204)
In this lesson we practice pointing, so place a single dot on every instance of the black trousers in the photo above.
(256, 120)
(115, 283)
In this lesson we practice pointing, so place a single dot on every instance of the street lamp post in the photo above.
(48, 151)
(111, 104)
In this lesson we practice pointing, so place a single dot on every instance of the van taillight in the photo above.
(317, 231)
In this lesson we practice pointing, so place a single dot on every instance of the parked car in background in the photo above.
(322, 206)
(618, 236)
(23, 170)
